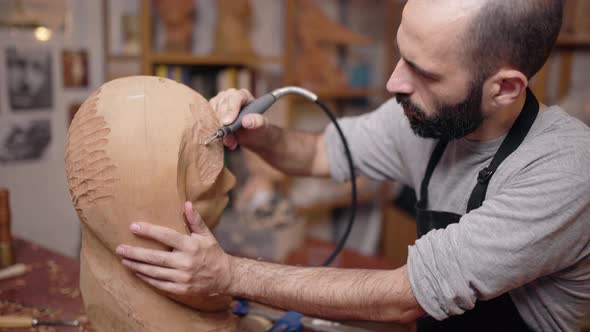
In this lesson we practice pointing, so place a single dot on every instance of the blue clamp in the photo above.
(290, 322)
(242, 307)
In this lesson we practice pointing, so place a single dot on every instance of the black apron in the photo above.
(498, 314)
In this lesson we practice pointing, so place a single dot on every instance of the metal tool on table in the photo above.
(259, 105)
(287, 321)
(13, 271)
(14, 321)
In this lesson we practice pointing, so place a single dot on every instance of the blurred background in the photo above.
(54, 54)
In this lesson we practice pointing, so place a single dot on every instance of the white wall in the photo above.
(41, 208)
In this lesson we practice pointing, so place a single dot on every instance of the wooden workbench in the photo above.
(50, 288)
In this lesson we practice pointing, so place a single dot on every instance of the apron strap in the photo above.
(515, 136)
(437, 153)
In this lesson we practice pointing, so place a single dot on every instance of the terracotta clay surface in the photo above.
(234, 24)
(178, 18)
(134, 153)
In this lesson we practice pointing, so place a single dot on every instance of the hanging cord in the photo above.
(353, 207)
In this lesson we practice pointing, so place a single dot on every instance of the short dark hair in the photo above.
(515, 33)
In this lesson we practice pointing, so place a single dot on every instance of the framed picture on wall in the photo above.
(123, 27)
(29, 78)
(123, 45)
(75, 68)
(24, 140)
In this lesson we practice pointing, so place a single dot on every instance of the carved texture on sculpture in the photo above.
(91, 172)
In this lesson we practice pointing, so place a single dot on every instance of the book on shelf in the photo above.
(208, 81)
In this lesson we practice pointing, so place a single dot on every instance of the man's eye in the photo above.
(425, 75)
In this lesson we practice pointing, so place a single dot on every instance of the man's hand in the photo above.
(227, 105)
(196, 266)
(289, 151)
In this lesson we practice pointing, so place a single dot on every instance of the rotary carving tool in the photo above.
(259, 105)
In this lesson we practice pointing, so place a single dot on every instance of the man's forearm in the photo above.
(290, 151)
(378, 295)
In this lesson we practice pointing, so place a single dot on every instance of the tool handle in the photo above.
(13, 271)
(258, 105)
(16, 321)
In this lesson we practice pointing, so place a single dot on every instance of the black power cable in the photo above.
(344, 238)
(260, 105)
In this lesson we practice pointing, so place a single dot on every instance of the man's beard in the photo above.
(450, 121)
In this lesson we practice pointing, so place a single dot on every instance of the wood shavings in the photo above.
(60, 282)
(70, 292)
(11, 308)
(29, 295)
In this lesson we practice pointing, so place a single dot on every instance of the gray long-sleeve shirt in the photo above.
(529, 238)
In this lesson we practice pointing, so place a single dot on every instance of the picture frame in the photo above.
(75, 68)
(123, 24)
(29, 76)
(25, 139)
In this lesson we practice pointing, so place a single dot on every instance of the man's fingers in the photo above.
(247, 96)
(165, 286)
(254, 121)
(228, 110)
(229, 104)
(230, 141)
(194, 220)
(161, 234)
(213, 102)
(154, 257)
(232, 109)
(160, 273)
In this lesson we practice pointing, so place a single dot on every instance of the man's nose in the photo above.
(399, 81)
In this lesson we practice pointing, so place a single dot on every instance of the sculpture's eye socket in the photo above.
(200, 167)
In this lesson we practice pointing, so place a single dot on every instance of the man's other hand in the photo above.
(196, 266)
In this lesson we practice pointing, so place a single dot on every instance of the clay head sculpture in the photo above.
(134, 152)
(178, 17)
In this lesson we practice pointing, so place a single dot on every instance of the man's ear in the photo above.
(505, 87)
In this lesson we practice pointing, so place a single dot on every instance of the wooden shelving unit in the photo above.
(565, 47)
(573, 41)
(150, 58)
(348, 93)
(393, 10)
(189, 59)
(124, 57)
